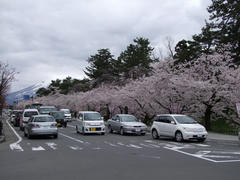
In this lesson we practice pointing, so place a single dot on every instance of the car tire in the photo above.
(122, 131)
(83, 132)
(55, 136)
(143, 134)
(103, 133)
(21, 128)
(29, 136)
(178, 136)
(25, 134)
(77, 129)
(155, 134)
(110, 129)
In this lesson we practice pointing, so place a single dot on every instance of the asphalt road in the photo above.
(111, 156)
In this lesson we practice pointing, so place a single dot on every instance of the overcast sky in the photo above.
(49, 39)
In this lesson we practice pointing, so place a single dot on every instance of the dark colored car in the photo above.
(59, 118)
(17, 118)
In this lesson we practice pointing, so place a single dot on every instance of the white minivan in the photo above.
(180, 127)
(67, 114)
(27, 113)
(90, 122)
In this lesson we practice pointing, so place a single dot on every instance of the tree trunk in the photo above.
(207, 117)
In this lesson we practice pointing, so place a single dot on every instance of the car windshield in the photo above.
(66, 111)
(92, 116)
(44, 119)
(30, 113)
(46, 110)
(185, 120)
(129, 119)
(58, 115)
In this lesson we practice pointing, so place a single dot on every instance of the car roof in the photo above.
(42, 115)
(171, 115)
(47, 107)
(124, 115)
(26, 110)
(88, 112)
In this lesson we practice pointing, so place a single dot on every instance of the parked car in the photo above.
(180, 127)
(27, 113)
(18, 117)
(125, 123)
(67, 114)
(90, 122)
(41, 125)
(59, 118)
(46, 109)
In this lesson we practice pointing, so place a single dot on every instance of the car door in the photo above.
(170, 126)
(162, 125)
(118, 123)
(111, 122)
(80, 121)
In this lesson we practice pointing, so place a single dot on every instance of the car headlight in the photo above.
(128, 127)
(187, 129)
(102, 123)
(86, 124)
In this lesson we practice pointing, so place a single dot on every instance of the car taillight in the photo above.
(53, 125)
(36, 125)
(22, 120)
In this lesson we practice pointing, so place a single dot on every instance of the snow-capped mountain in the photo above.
(19, 95)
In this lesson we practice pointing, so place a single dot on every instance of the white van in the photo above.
(90, 122)
(27, 113)
(67, 114)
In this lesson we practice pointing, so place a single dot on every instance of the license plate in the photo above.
(92, 129)
(138, 129)
(59, 124)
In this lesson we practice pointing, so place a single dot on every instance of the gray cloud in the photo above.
(49, 39)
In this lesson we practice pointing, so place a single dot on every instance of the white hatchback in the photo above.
(180, 127)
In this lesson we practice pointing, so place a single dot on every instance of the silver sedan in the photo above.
(126, 124)
(41, 125)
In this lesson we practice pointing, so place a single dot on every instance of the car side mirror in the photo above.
(102, 118)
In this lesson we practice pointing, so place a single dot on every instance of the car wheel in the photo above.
(178, 136)
(102, 133)
(83, 132)
(121, 131)
(25, 134)
(77, 129)
(55, 136)
(110, 129)
(155, 134)
(21, 128)
(29, 136)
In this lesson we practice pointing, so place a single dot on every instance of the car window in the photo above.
(128, 118)
(92, 116)
(185, 120)
(44, 119)
(30, 113)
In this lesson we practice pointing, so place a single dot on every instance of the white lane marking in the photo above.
(193, 155)
(52, 145)
(202, 145)
(202, 152)
(121, 144)
(221, 152)
(15, 146)
(39, 148)
(71, 126)
(145, 145)
(149, 141)
(134, 146)
(75, 148)
(97, 148)
(153, 145)
(153, 157)
(202, 156)
(71, 138)
(113, 145)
